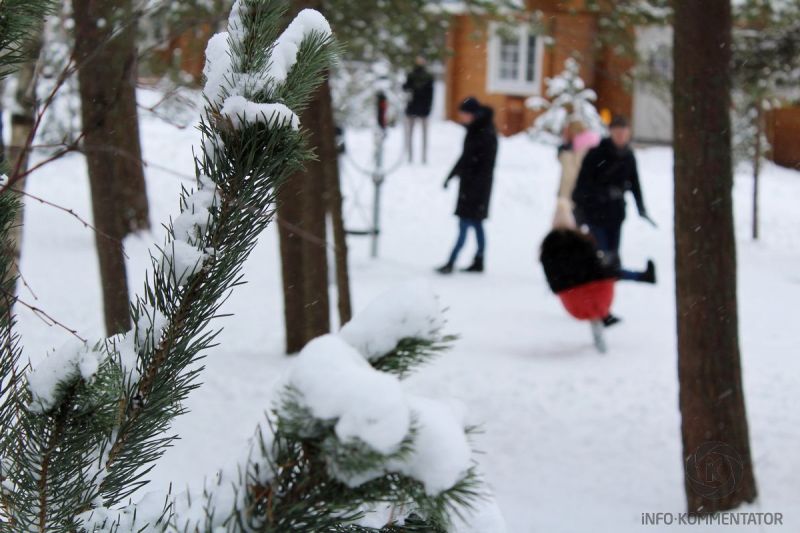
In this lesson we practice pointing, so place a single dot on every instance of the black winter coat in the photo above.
(420, 84)
(570, 258)
(606, 174)
(475, 168)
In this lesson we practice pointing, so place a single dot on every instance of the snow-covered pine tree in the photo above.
(87, 423)
(567, 98)
(82, 429)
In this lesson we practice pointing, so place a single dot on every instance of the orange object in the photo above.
(590, 301)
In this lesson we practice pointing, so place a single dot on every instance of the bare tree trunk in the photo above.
(716, 449)
(329, 158)
(757, 165)
(314, 223)
(108, 42)
(111, 141)
(291, 248)
(18, 152)
(304, 259)
(303, 209)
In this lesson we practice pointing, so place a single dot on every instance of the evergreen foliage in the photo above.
(18, 19)
(82, 430)
(568, 99)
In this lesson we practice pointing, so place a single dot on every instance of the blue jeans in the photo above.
(463, 226)
(608, 240)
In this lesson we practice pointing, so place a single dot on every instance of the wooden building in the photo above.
(503, 68)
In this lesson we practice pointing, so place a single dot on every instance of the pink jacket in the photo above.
(585, 141)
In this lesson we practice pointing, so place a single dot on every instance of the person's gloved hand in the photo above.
(646, 216)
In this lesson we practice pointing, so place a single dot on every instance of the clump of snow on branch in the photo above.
(409, 311)
(234, 92)
(336, 383)
(73, 361)
(196, 214)
(284, 53)
(242, 111)
(441, 456)
(217, 68)
(567, 99)
(333, 379)
(182, 256)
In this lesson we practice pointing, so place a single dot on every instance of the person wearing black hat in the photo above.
(475, 170)
(419, 85)
(609, 171)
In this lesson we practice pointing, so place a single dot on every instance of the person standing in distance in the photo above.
(419, 85)
(475, 170)
(607, 172)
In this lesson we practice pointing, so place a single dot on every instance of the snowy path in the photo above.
(573, 441)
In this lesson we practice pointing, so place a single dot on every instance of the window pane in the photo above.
(530, 67)
(509, 59)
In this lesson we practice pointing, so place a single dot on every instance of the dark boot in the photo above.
(446, 269)
(476, 266)
(649, 274)
(611, 320)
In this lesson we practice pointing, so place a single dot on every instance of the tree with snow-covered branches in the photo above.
(345, 447)
(766, 67)
(567, 99)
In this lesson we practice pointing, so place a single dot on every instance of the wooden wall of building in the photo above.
(572, 33)
(783, 131)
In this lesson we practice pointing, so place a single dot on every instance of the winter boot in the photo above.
(597, 336)
(649, 274)
(446, 269)
(476, 266)
(611, 320)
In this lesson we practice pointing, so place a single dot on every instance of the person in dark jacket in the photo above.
(609, 171)
(475, 170)
(419, 85)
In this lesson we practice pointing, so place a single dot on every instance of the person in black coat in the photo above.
(475, 170)
(419, 85)
(609, 171)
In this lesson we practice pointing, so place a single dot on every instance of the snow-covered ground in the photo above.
(572, 441)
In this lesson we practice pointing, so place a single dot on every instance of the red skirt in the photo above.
(590, 301)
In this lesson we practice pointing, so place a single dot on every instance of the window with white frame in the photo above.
(515, 61)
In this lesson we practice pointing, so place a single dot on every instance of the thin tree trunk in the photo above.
(757, 165)
(329, 158)
(315, 251)
(303, 246)
(22, 121)
(108, 111)
(716, 449)
(291, 248)
(304, 259)
(302, 213)
(110, 46)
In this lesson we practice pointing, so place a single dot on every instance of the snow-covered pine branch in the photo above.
(567, 99)
(81, 435)
(346, 442)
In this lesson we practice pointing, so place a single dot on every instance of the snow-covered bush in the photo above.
(567, 99)
(81, 430)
